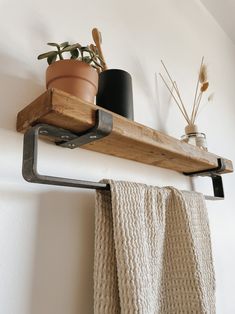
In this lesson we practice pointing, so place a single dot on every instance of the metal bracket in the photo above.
(215, 177)
(102, 128)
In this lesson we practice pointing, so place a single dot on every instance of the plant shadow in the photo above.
(159, 107)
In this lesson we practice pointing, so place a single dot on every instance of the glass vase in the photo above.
(193, 137)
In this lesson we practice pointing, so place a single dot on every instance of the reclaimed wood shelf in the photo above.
(129, 140)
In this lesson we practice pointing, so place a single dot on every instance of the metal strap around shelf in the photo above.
(103, 127)
(216, 178)
(62, 137)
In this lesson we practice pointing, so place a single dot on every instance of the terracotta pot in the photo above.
(74, 77)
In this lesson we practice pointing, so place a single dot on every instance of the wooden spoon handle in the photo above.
(98, 40)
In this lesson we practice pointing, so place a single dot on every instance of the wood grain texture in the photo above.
(129, 140)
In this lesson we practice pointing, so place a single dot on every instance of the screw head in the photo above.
(65, 137)
(71, 145)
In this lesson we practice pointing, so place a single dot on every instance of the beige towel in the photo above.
(152, 251)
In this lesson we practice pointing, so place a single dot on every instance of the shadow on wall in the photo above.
(63, 267)
(158, 108)
(18, 88)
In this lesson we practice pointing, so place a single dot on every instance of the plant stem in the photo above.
(197, 107)
(176, 89)
(174, 97)
(195, 97)
(60, 53)
(178, 93)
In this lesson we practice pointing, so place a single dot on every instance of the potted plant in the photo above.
(76, 71)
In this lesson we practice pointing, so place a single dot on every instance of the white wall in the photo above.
(223, 11)
(46, 233)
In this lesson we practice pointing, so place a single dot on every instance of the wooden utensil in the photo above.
(96, 34)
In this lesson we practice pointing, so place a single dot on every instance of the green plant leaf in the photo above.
(51, 59)
(87, 60)
(86, 49)
(54, 45)
(74, 54)
(65, 44)
(97, 64)
(98, 57)
(71, 47)
(47, 54)
(95, 67)
(77, 51)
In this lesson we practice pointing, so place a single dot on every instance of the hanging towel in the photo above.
(152, 251)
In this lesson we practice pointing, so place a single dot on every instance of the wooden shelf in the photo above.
(129, 140)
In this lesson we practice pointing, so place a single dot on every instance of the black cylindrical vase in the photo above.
(115, 92)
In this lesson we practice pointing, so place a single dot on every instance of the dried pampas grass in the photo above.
(203, 74)
(202, 86)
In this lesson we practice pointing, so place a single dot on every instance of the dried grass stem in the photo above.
(201, 87)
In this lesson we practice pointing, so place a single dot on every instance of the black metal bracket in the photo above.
(215, 177)
(103, 127)
(62, 137)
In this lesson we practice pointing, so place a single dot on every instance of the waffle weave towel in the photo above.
(152, 251)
